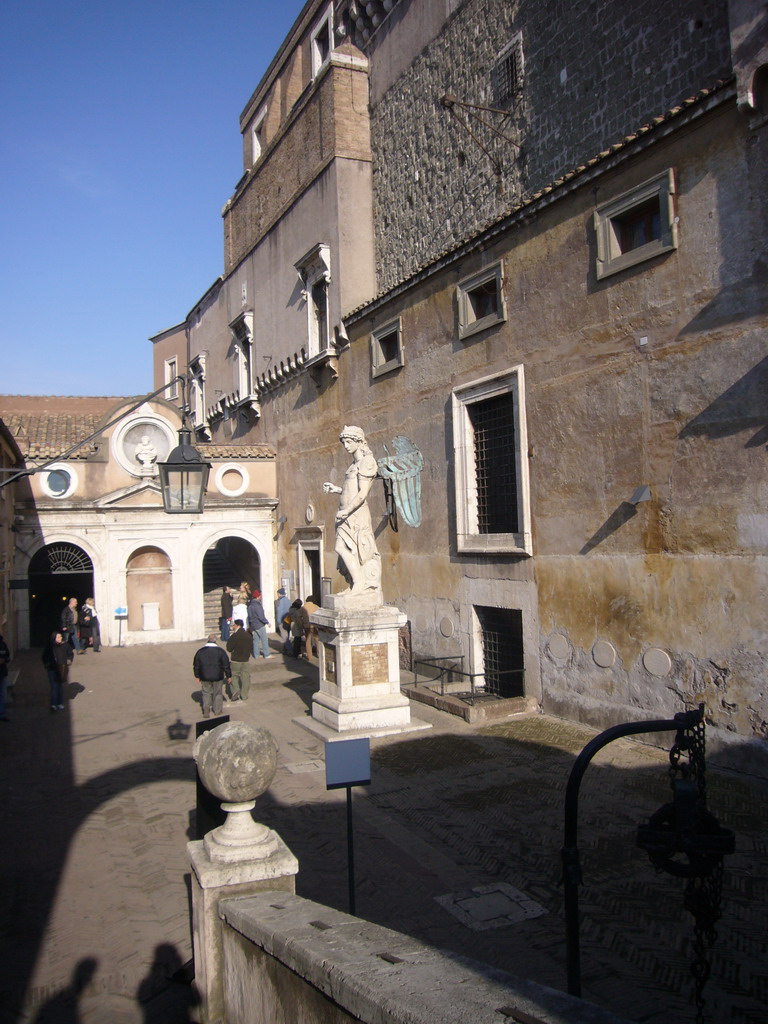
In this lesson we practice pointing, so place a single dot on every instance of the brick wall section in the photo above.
(332, 122)
(595, 70)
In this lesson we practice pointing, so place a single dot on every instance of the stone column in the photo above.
(237, 763)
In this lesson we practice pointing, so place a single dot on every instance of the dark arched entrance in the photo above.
(56, 573)
(231, 561)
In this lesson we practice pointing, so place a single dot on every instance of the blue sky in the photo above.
(119, 145)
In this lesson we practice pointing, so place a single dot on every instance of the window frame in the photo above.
(314, 268)
(469, 324)
(608, 218)
(171, 371)
(325, 23)
(468, 538)
(59, 467)
(242, 338)
(380, 365)
(257, 144)
(514, 46)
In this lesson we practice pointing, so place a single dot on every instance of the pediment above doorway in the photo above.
(140, 495)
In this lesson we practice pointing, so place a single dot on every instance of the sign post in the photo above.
(348, 764)
(120, 614)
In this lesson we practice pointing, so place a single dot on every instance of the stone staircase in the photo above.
(218, 571)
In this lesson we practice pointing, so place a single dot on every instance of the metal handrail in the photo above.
(454, 670)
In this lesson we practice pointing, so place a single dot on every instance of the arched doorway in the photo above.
(230, 561)
(148, 589)
(56, 573)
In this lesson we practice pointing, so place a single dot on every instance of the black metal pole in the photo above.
(350, 853)
(570, 851)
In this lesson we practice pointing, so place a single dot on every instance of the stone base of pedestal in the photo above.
(213, 881)
(359, 673)
(329, 734)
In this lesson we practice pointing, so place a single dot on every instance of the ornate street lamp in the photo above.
(184, 476)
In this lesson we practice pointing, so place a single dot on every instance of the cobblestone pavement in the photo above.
(457, 842)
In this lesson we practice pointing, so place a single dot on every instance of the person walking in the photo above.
(299, 624)
(212, 669)
(226, 613)
(310, 632)
(69, 624)
(282, 604)
(257, 623)
(240, 650)
(57, 657)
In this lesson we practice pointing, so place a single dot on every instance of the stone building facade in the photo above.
(567, 317)
(92, 524)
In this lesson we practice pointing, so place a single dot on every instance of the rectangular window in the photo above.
(197, 390)
(507, 74)
(314, 269)
(481, 302)
(491, 466)
(171, 371)
(321, 43)
(501, 637)
(636, 226)
(386, 349)
(493, 428)
(257, 135)
(242, 351)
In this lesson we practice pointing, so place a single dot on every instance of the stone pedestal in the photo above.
(359, 673)
(212, 881)
(236, 762)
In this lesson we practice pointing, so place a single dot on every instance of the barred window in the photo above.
(491, 466)
(507, 73)
(493, 422)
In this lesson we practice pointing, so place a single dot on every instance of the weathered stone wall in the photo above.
(595, 71)
(656, 376)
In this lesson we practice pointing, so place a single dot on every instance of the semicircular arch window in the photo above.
(61, 557)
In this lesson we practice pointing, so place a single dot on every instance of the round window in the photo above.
(232, 480)
(58, 482)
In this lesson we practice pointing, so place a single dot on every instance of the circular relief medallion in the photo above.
(604, 654)
(657, 662)
(446, 627)
(558, 647)
(142, 442)
(309, 513)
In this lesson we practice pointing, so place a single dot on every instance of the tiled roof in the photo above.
(531, 201)
(44, 435)
(235, 451)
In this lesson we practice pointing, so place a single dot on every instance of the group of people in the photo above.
(243, 628)
(79, 630)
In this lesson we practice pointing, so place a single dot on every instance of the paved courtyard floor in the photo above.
(457, 842)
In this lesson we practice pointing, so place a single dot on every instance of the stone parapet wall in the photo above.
(289, 959)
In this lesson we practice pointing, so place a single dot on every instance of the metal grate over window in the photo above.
(60, 557)
(507, 74)
(502, 640)
(493, 423)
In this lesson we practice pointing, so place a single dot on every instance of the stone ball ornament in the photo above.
(237, 763)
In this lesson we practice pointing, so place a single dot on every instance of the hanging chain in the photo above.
(702, 897)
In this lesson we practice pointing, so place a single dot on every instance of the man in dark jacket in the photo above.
(239, 647)
(211, 668)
